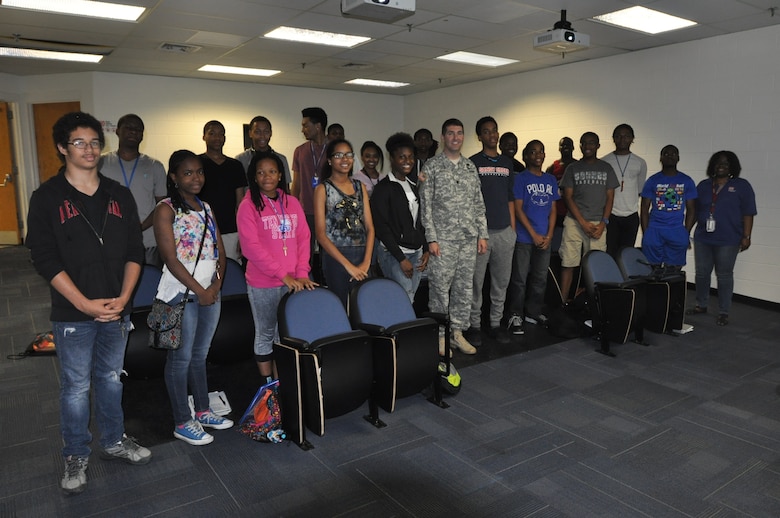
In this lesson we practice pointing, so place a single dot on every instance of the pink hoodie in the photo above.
(262, 242)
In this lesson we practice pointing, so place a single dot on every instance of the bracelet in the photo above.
(746, 237)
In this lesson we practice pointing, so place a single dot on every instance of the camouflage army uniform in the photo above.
(453, 214)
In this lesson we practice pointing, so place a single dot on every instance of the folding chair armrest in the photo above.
(412, 324)
(441, 318)
(620, 285)
(372, 329)
(356, 333)
(297, 343)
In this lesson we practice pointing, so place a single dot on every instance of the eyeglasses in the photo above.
(82, 144)
(339, 154)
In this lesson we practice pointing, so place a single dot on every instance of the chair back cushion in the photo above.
(234, 282)
(381, 302)
(598, 266)
(312, 314)
(147, 287)
(633, 263)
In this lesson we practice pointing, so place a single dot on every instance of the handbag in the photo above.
(165, 320)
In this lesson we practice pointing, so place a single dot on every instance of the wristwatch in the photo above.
(605, 221)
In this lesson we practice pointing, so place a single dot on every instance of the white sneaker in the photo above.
(460, 342)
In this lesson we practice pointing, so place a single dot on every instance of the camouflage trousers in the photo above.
(450, 280)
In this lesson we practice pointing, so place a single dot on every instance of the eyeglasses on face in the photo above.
(82, 144)
(339, 154)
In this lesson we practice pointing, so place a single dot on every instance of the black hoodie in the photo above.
(61, 238)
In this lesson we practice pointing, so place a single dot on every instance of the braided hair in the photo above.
(251, 178)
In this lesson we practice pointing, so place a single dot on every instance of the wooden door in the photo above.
(44, 117)
(9, 217)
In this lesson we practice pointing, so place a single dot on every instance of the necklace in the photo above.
(284, 222)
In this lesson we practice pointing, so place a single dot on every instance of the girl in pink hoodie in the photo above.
(274, 239)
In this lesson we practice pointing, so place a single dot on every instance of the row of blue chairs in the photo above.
(631, 295)
(233, 338)
(331, 362)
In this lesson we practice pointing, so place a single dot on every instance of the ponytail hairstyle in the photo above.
(174, 163)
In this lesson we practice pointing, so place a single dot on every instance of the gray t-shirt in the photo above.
(246, 156)
(146, 180)
(590, 183)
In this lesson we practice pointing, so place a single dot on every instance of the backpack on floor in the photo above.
(42, 345)
(569, 321)
(262, 421)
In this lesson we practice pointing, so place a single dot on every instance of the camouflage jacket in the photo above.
(451, 203)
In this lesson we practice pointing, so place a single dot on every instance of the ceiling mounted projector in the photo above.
(561, 38)
(386, 11)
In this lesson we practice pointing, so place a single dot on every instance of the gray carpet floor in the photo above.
(688, 426)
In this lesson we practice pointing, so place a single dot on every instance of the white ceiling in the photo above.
(230, 33)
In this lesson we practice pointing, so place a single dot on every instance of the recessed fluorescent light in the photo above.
(476, 59)
(49, 54)
(239, 70)
(644, 20)
(375, 82)
(318, 37)
(89, 8)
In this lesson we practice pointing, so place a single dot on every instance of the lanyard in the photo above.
(315, 159)
(622, 170)
(715, 194)
(124, 174)
(208, 222)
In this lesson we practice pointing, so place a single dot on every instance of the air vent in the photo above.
(178, 48)
(355, 66)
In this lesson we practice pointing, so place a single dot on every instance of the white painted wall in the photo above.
(174, 111)
(718, 93)
(702, 96)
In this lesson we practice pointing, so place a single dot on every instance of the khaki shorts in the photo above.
(575, 243)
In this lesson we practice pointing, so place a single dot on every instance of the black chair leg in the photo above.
(437, 398)
(373, 414)
(604, 349)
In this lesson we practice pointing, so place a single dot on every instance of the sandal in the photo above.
(696, 310)
(722, 320)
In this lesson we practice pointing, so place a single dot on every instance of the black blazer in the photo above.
(393, 223)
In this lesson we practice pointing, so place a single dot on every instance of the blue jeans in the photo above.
(723, 259)
(93, 351)
(264, 303)
(391, 269)
(336, 276)
(187, 364)
(529, 279)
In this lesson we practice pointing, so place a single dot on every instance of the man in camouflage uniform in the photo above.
(453, 215)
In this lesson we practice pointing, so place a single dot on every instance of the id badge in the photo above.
(710, 224)
(284, 225)
(315, 181)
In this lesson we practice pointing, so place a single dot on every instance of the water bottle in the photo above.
(277, 435)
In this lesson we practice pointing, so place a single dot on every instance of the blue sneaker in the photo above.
(192, 433)
(212, 420)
